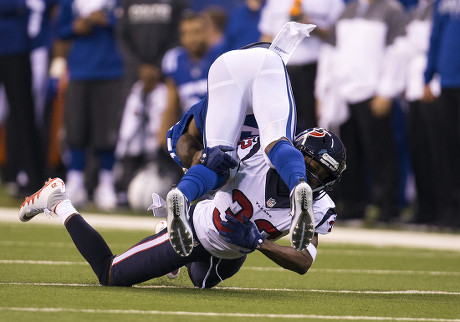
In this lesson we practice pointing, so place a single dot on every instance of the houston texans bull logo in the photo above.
(318, 132)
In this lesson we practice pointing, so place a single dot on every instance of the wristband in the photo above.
(312, 250)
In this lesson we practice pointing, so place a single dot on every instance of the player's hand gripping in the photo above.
(244, 234)
(217, 160)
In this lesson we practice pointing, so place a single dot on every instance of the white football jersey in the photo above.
(256, 191)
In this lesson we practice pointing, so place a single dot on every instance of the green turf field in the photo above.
(44, 278)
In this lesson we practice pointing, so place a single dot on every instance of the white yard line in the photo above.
(234, 288)
(339, 235)
(265, 269)
(218, 314)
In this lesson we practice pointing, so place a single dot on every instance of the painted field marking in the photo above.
(28, 244)
(234, 288)
(357, 271)
(267, 269)
(218, 314)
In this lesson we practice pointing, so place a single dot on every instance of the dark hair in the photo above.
(217, 15)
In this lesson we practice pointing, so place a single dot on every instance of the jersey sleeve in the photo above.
(169, 64)
(325, 215)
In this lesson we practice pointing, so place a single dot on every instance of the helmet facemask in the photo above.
(320, 185)
(325, 159)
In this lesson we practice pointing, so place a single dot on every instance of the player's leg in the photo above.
(24, 148)
(210, 273)
(77, 129)
(105, 104)
(91, 246)
(150, 258)
(274, 110)
(227, 103)
(230, 98)
(229, 95)
(88, 241)
(254, 80)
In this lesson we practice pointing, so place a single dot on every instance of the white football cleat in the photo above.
(180, 233)
(303, 220)
(45, 199)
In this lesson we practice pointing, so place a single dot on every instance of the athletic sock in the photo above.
(64, 209)
(199, 180)
(289, 162)
(77, 159)
(91, 246)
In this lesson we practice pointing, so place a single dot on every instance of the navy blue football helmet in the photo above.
(327, 149)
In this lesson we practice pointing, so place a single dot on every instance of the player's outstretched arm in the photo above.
(287, 257)
(245, 234)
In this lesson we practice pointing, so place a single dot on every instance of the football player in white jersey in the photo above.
(248, 213)
(248, 81)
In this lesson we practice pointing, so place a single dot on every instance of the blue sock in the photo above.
(77, 159)
(288, 161)
(106, 159)
(199, 180)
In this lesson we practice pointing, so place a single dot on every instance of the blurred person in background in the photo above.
(302, 65)
(24, 151)
(215, 19)
(186, 67)
(363, 35)
(406, 62)
(146, 29)
(444, 61)
(138, 152)
(200, 5)
(93, 99)
(41, 29)
(242, 27)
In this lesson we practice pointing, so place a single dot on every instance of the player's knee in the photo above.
(200, 278)
(205, 284)
(272, 144)
(103, 271)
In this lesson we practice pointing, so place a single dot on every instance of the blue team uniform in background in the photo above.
(94, 56)
(189, 76)
(13, 27)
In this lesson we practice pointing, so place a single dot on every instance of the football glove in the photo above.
(217, 160)
(244, 234)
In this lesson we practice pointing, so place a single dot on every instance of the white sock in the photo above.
(65, 209)
(76, 176)
(106, 177)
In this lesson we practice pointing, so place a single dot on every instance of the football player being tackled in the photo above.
(248, 213)
(269, 184)
(248, 93)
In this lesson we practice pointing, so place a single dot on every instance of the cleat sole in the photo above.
(302, 230)
(180, 234)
